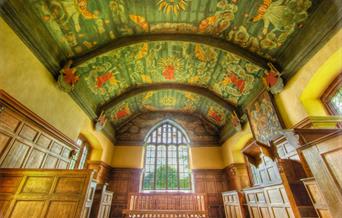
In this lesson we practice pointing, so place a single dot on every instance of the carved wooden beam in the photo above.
(162, 86)
(196, 38)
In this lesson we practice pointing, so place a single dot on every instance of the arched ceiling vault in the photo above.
(198, 56)
(197, 90)
(181, 37)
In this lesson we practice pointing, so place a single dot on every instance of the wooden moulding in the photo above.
(237, 176)
(101, 169)
(7, 101)
(254, 149)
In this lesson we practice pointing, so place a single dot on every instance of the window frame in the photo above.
(330, 92)
(184, 142)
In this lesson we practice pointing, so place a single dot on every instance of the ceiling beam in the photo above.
(171, 112)
(195, 38)
(162, 86)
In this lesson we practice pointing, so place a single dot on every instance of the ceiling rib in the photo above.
(195, 38)
(162, 86)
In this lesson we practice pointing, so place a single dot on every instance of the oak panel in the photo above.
(44, 141)
(69, 185)
(16, 155)
(62, 164)
(50, 162)
(29, 209)
(9, 184)
(58, 209)
(35, 159)
(28, 132)
(9, 121)
(40, 185)
(4, 140)
(56, 148)
(333, 160)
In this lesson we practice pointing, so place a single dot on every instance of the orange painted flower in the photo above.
(101, 80)
(169, 72)
(70, 76)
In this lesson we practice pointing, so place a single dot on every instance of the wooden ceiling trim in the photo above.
(183, 37)
(171, 112)
(162, 86)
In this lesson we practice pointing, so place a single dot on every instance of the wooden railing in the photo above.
(166, 205)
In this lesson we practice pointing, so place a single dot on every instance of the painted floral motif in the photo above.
(261, 26)
(155, 62)
(216, 115)
(219, 22)
(171, 100)
(123, 111)
(174, 6)
(169, 66)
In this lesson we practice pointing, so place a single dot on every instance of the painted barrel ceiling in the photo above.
(170, 100)
(261, 26)
(86, 30)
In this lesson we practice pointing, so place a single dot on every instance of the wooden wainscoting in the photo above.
(234, 204)
(122, 181)
(49, 193)
(27, 141)
(212, 183)
(269, 201)
(322, 149)
(317, 198)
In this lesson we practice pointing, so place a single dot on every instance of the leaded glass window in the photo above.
(166, 165)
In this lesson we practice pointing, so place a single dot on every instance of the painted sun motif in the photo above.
(174, 6)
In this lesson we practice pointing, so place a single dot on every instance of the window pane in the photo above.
(161, 167)
(167, 160)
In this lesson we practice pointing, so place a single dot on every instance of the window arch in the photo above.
(332, 97)
(166, 162)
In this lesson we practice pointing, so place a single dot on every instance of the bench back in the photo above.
(167, 201)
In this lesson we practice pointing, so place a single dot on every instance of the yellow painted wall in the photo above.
(231, 149)
(128, 157)
(319, 71)
(206, 158)
(27, 80)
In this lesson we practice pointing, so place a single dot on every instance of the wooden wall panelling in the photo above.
(291, 172)
(322, 149)
(49, 193)
(27, 141)
(237, 176)
(101, 169)
(234, 204)
(268, 201)
(102, 202)
(212, 183)
(317, 198)
(122, 181)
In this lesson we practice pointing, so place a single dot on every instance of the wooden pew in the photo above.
(49, 193)
(148, 205)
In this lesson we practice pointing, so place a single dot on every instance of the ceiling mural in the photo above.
(226, 74)
(170, 100)
(209, 57)
(261, 26)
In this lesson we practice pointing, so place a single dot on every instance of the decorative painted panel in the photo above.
(262, 26)
(226, 74)
(170, 100)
